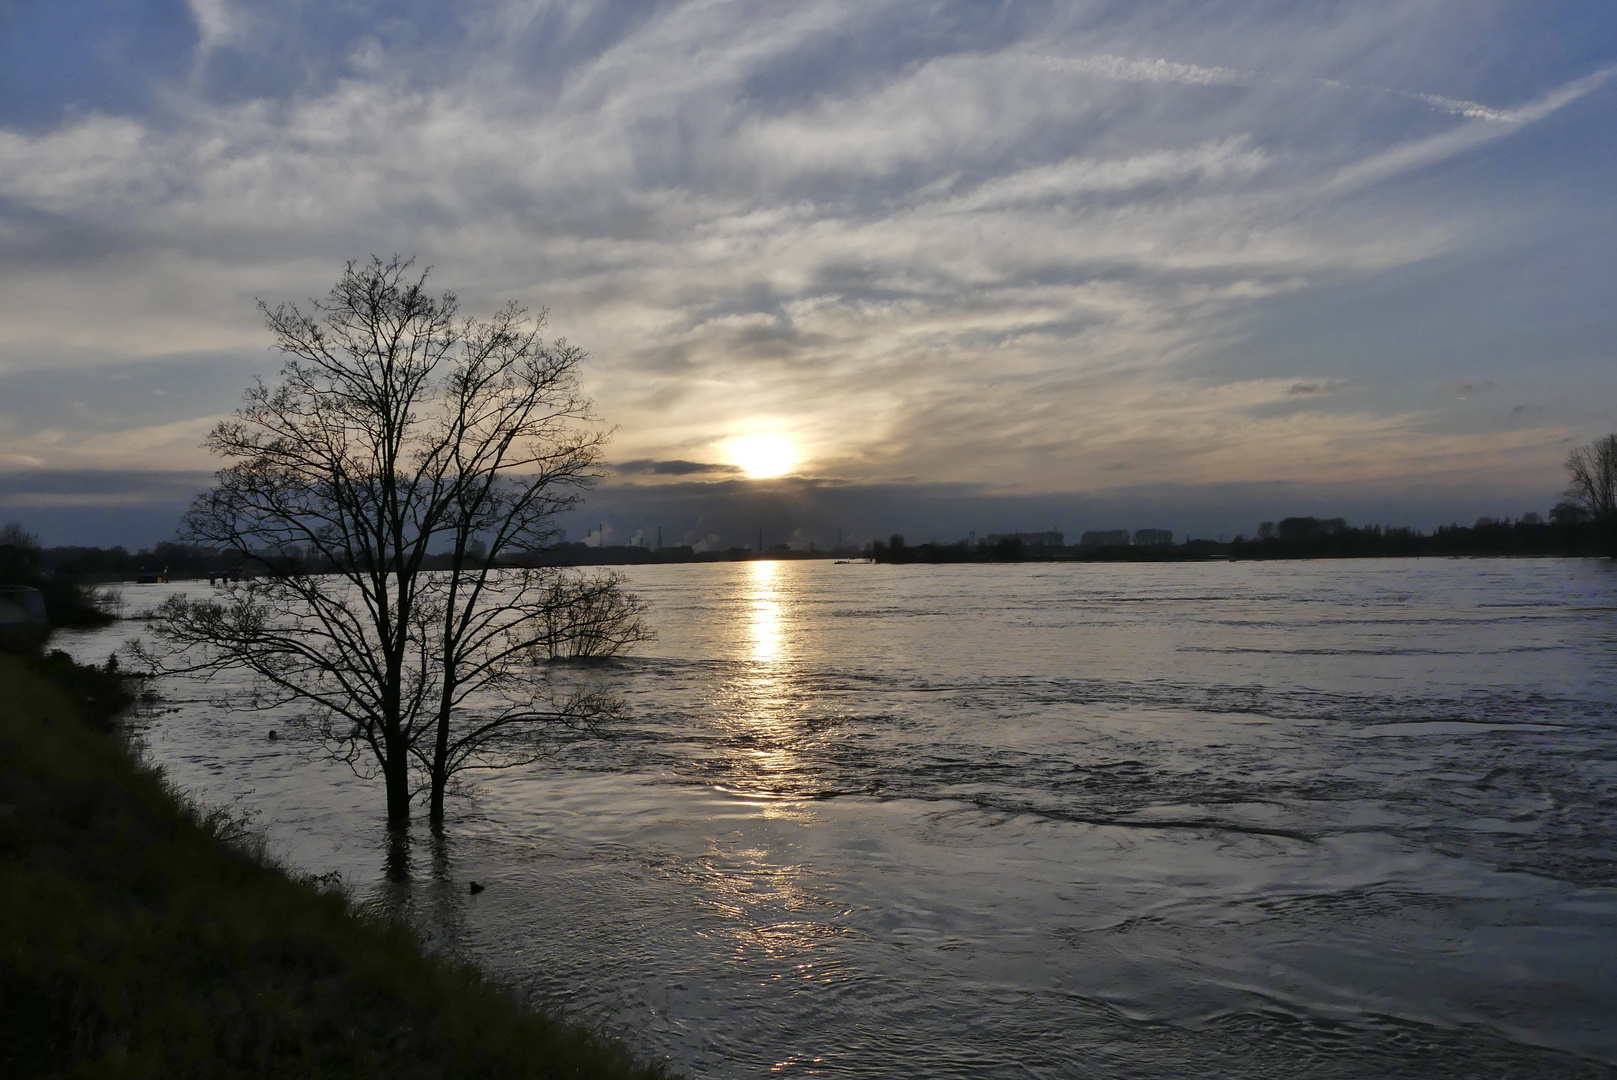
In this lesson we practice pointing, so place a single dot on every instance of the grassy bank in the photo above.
(137, 940)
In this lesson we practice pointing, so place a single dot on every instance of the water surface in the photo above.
(1310, 819)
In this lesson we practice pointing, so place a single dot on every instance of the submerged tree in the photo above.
(401, 437)
(1593, 471)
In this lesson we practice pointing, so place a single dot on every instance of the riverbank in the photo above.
(143, 937)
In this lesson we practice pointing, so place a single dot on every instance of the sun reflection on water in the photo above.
(763, 687)
(768, 640)
(771, 907)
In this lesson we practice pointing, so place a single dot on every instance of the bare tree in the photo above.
(401, 437)
(1593, 471)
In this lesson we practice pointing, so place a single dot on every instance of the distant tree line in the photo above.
(1583, 523)
(171, 559)
(107, 564)
(1333, 538)
(1566, 533)
(1096, 547)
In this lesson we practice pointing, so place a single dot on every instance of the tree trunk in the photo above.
(396, 772)
(435, 810)
(397, 866)
(398, 796)
(440, 760)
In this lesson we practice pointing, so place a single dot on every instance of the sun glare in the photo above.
(762, 455)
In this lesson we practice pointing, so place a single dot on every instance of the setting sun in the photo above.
(762, 455)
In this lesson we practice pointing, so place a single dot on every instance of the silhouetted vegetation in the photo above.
(23, 563)
(1570, 532)
(141, 936)
(1015, 548)
(99, 693)
(370, 492)
(1592, 490)
(169, 558)
(1006, 549)
(895, 550)
(1333, 538)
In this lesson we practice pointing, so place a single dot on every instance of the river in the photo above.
(1290, 819)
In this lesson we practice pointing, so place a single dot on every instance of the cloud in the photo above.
(1324, 386)
(33, 489)
(990, 247)
(1490, 125)
(217, 24)
(1460, 391)
(1123, 69)
(672, 468)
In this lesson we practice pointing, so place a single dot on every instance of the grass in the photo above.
(140, 937)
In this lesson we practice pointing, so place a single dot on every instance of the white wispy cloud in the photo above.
(958, 259)
(217, 23)
(1496, 124)
(1157, 70)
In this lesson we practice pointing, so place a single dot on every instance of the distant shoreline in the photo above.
(608, 560)
(1292, 539)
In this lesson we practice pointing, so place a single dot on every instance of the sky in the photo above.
(978, 266)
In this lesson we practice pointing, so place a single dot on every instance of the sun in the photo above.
(762, 455)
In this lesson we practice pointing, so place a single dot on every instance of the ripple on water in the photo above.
(1230, 820)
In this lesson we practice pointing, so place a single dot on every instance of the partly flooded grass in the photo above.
(141, 937)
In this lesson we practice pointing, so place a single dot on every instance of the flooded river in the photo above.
(1308, 819)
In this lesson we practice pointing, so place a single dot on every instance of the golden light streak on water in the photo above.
(764, 607)
(764, 687)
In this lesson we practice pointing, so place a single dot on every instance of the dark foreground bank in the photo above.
(139, 937)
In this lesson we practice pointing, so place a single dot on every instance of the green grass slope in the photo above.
(136, 940)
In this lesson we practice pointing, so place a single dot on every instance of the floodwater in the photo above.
(1311, 819)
